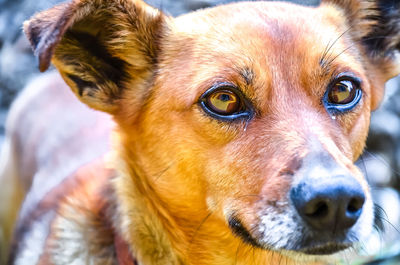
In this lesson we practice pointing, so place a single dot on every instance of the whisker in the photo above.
(362, 246)
(378, 213)
(334, 58)
(392, 225)
(163, 172)
(323, 58)
(380, 159)
(198, 228)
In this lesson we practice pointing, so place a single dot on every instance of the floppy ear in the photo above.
(375, 25)
(100, 47)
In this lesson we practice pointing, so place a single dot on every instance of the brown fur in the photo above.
(180, 173)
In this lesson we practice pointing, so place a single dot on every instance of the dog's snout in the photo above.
(333, 204)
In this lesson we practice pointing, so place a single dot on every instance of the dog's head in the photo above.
(251, 114)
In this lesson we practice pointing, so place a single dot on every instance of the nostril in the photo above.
(317, 210)
(335, 203)
(354, 206)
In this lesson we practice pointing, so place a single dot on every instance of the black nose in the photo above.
(330, 203)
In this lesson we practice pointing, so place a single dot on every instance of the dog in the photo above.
(234, 131)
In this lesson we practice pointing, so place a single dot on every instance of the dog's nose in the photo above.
(333, 203)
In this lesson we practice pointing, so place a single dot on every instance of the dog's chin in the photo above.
(320, 254)
(300, 252)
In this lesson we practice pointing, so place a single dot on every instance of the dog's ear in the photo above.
(99, 46)
(375, 25)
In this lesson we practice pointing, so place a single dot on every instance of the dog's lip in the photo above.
(325, 249)
(240, 231)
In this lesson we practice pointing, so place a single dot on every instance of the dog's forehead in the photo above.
(259, 30)
(271, 38)
(277, 20)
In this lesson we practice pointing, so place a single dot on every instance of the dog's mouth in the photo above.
(327, 249)
(322, 248)
(239, 230)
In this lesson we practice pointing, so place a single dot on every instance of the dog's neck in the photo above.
(157, 235)
(142, 218)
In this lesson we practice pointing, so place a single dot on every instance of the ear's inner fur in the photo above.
(375, 24)
(99, 46)
(98, 61)
(385, 37)
(89, 65)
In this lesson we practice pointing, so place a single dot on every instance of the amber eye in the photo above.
(226, 102)
(223, 102)
(343, 92)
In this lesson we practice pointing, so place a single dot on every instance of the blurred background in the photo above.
(380, 162)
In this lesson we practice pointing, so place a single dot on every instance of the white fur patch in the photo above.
(33, 242)
(281, 228)
(76, 242)
(278, 226)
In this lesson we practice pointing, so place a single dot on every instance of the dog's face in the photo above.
(250, 115)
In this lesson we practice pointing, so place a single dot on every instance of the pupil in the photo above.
(225, 97)
(342, 88)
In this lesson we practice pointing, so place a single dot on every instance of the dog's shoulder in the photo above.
(74, 221)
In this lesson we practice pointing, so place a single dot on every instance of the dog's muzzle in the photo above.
(319, 214)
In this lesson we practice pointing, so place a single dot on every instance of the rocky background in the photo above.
(381, 161)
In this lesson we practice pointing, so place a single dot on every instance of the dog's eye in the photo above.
(225, 102)
(343, 94)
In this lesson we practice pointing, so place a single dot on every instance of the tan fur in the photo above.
(13, 195)
(180, 174)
